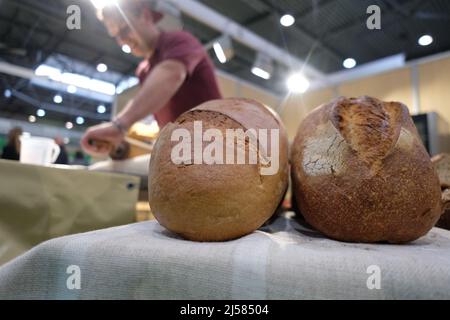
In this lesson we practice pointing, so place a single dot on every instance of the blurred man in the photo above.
(175, 75)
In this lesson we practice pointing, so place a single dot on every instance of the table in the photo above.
(282, 260)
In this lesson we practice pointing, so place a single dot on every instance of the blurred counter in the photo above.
(39, 203)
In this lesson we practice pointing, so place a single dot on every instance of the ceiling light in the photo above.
(260, 73)
(126, 48)
(297, 83)
(48, 71)
(263, 66)
(71, 89)
(287, 20)
(349, 63)
(69, 125)
(219, 53)
(425, 40)
(102, 87)
(223, 48)
(79, 120)
(32, 119)
(40, 113)
(57, 99)
(75, 81)
(101, 67)
(101, 109)
(8, 93)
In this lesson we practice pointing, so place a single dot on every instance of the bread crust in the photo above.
(361, 174)
(217, 202)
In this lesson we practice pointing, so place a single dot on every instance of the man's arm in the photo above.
(159, 87)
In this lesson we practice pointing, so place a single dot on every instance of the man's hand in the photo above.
(159, 87)
(100, 140)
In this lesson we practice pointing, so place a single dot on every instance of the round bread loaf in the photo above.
(217, 202)
(361, 173)
(442, 164)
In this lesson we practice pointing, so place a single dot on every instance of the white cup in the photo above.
(38, 150)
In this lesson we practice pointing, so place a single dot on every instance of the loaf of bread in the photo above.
(217, 202)
(361, 173)
(442, 164)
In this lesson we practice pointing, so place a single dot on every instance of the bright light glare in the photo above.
(47, 71)
(101, 109)
(287, 20)
(220, 54)
(79, 120)
(101, 67)
(260, 73)
(57, 99)
(69, 125)
(349, 63)
(297, 83)
(102, 87)
(425, 40)
(76, 80)
(40, 113)
(126, 48)
(100, 4)
(71, 89)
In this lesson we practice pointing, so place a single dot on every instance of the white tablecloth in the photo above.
(284, 260)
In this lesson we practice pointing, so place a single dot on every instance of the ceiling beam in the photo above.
(315, 5)
(57, 108)
(222, 23)
(61, 36)
(362, 71)
(26, 73)
(315, 40)
(11, 25)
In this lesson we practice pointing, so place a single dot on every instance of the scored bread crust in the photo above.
(361, 174)
(216, 202)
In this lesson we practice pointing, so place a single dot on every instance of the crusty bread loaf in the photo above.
(442, 164)
(361, 173)
(216, 202)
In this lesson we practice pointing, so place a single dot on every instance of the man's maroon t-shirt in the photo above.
(200, 84)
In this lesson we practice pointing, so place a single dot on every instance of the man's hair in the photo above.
(131, 8)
